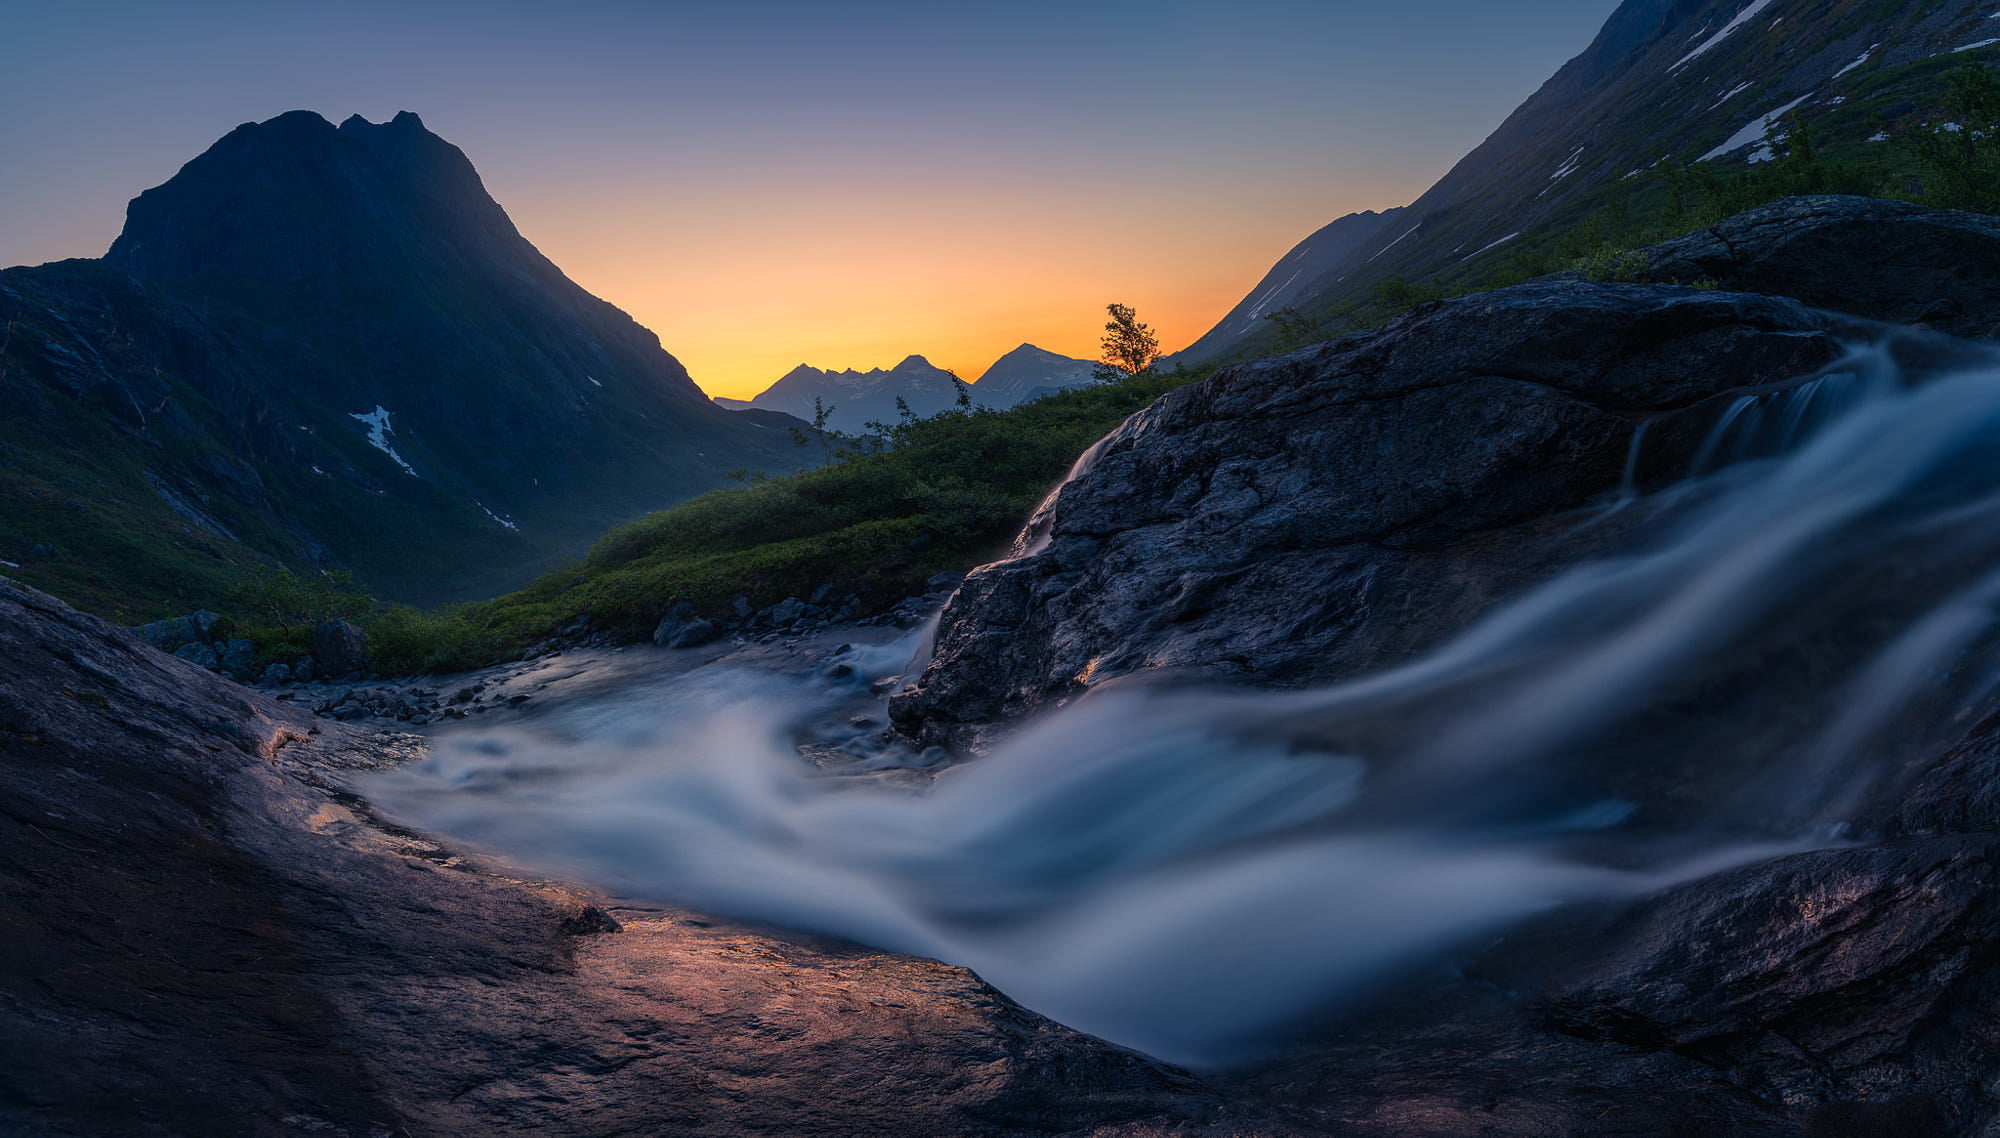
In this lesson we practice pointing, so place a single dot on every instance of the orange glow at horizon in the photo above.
(744, 286)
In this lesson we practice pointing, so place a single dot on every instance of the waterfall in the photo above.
(1188, 871)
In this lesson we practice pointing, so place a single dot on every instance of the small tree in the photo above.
(1295, 328)
(821, 413)
(1129, 347)
(1964, 154)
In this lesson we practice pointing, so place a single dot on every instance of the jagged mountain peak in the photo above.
(294, 200)
(405, 378)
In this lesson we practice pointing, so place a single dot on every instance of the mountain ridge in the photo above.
(1663, 80)
(392, 376)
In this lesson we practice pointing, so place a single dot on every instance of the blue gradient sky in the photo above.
(765, 184)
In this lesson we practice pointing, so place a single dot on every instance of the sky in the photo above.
(766, 184)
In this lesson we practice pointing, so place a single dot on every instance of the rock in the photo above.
(784, 612)
(682, 629)
(741, 609)
(274, 675)
(171, 633)
(40, 552)
(203, 941)
(238, 659)
(820, 594)
(200, 655)
(943, 582)
(1307, 516)
(1884, 260)
(304, 670)
(340, 648)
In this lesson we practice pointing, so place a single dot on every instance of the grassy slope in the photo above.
(950, 493)
(1672, 198)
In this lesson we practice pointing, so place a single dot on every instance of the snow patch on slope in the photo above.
(1495, 245)
(496, 517)
(1858, 62)
(379, 431)
(1754, 131)
(1392, 244)
(1742, 18)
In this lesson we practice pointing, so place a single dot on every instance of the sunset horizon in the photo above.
(885, 183)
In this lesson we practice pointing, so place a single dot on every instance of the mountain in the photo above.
(1028, 372)
(1328, 249)
(329, 346)
(1665, 81)
(856, 398)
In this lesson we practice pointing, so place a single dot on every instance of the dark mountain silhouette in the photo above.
(329, 345)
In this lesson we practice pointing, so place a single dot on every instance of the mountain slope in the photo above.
(334, 344)
(1329, 249)
(1674, 81)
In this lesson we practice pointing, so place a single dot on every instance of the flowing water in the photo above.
(1187, 872)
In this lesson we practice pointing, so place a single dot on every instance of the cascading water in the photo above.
(1186, 872)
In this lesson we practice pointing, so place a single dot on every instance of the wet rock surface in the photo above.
(1884, 260)
(1289, 522)
(1308, 516)
(208, 934)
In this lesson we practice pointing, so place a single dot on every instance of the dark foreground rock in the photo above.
(1311, 515)
(205, 935)
(1884, 260)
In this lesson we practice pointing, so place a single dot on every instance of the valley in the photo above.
(1531, 667)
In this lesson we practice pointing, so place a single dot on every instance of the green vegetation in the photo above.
(1129, 347)
(922, 496)
(1963, 153)
(1912, 131)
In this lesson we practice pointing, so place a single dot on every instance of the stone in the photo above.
(237, 659)
(1884, 260)
(200, 655)
(274, 675)
(305, 670)
(340, 648)
(1303, 517)
(171, 633)
(682, 629)
(204, 939)
(784, 612)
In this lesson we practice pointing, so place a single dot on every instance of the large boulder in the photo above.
(340, 649)
(1884, 260)
(171, 633)
(1319, 515)
(681, 628)
(1306, 516)
(206, 933)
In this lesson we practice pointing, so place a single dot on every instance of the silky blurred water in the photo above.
(1188, 872)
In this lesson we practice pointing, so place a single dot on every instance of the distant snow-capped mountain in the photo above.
(1028, 372)
(856, 398)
